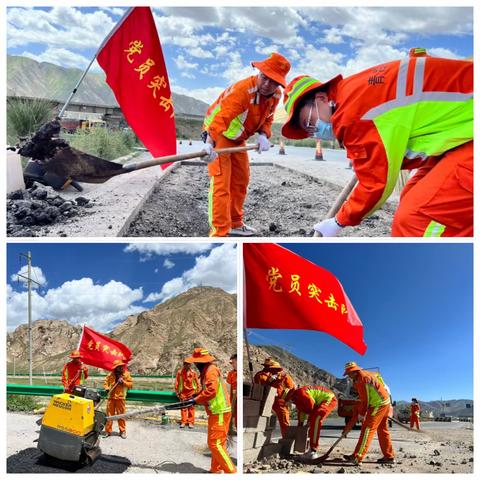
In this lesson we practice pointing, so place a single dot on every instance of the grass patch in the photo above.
(21, 403)
(26, 116)
(103, 142)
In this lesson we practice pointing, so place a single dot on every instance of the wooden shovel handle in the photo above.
(347, 189)
(183, 156)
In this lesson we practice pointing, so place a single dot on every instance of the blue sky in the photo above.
(416, 304)
(208, 48)
(101, 284)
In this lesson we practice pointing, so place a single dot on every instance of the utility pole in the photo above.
(29, 280)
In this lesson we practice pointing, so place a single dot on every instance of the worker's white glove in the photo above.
(211, 154)
(263, 143)
(328, 227)
(360, 418)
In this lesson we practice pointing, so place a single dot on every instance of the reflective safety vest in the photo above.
(186, 380)
(240, 112)
(214, 394)
(394, 116)
(371, 390)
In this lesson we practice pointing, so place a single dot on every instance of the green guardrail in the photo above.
(49, 390)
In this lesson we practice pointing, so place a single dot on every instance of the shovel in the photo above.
(339, 201)
(329, 451)
(83, 167)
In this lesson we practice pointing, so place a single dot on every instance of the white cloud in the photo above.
(168, 264)
(60, 27)
(165, 249)
(36, 274)
(332, 35)
(217, 269)
(200, 52)
(184, 64)
(208, 95)
(78, 301)
(59, 56)
(443, 52)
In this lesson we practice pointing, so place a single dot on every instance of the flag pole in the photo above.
(81, 336)
(107, 38)
(250, 365)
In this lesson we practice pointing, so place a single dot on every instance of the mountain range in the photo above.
(159, 338)
(28, 78)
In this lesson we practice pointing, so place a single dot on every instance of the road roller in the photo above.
(71, 426)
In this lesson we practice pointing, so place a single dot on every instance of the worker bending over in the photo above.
(187, 385)
(413, 113)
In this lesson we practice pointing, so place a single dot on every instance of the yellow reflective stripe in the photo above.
(82, 378)
(434, 229)
(224, 454)
(364, 441)
(180, 390)
(213, 230)
(210, 118)
(220, 418)
(235, 129)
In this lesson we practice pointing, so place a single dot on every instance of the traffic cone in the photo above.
(190, 142)
(318, 151)
(281, 151)
(180, 142)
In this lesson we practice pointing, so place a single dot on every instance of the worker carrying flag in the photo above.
(373, 410)
(243, 109)
(74, 372)
(314, 404)
(414, 113)
(275, 376)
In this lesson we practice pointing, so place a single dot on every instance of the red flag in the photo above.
(133, 61)
(101, 351)
(286, 291)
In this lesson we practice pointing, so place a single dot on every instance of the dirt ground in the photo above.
(442, 448)
(150, 447)
(280, 203)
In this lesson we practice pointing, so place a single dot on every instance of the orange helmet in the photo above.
(294, 93)
(75, 354)
(200, 355)
(117, 363)
(351, 367)
(275, 67)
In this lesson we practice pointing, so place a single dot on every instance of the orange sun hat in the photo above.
(275, 67)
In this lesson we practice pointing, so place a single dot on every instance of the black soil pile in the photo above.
(31, 211)
(32, 460)
(280, 203)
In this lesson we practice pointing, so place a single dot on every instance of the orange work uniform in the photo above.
(214, 397)
(415, 113)
(374, 406)
(316, 402)
(279, 380)
(117, 393)
(73, 373)
(187, 385)
(415, 415)
(237, 114)
(232, 381)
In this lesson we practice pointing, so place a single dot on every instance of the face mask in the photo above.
(323, 130)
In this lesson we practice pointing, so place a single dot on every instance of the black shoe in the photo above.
(386, 460)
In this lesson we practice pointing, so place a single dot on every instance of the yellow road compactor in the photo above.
(71, 426)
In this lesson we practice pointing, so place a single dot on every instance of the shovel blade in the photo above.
(82, 167)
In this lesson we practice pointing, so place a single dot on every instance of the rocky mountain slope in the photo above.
(305, 373)
(159, 338)
(29, 78)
